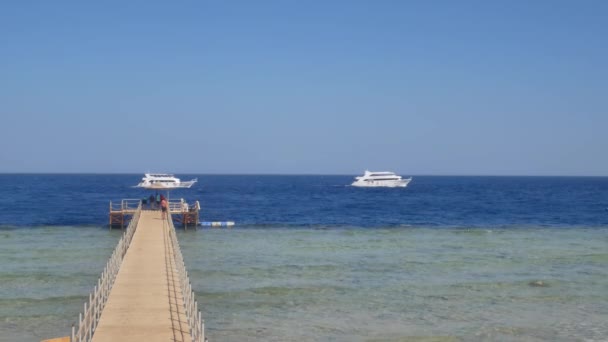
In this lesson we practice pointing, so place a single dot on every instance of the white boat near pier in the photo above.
(164, 181)
(381, 179)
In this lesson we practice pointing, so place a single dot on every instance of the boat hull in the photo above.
(163, 187)
(166, 186)
(402, 183)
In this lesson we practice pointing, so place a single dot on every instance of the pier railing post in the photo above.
(194, 316)
(89, 318)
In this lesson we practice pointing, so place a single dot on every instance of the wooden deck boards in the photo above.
(146, 302)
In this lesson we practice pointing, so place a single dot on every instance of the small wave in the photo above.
(39, 301)
(45, 226)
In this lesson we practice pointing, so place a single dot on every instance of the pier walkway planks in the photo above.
(146, 302)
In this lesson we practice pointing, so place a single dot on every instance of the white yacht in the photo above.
(383, 178)
(163, 181)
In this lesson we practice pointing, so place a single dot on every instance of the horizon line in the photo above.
(298, 174)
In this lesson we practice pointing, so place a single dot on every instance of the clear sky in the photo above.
(326, 87)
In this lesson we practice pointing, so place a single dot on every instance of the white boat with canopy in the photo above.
(381, 179)
(164, 181)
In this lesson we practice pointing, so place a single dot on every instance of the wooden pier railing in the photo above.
(121, 213)
(195, 318)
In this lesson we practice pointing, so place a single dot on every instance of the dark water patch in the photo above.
(538, 283)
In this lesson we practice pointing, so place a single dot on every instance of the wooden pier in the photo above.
(144, 292)
(145, 304)
(182, 212)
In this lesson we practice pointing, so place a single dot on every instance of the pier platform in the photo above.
(184, 213)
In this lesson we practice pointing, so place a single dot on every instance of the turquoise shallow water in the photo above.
(46, 274)
(342, 284)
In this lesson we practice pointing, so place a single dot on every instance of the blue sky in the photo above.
(325, 87)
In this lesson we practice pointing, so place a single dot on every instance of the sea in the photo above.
(311, 258)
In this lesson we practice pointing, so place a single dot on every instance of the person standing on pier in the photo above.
(151, 199)
(157, 200)
(163, 207)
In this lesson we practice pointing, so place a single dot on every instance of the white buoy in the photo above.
(217, 223)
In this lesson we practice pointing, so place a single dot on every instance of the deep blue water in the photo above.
(320, 201)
